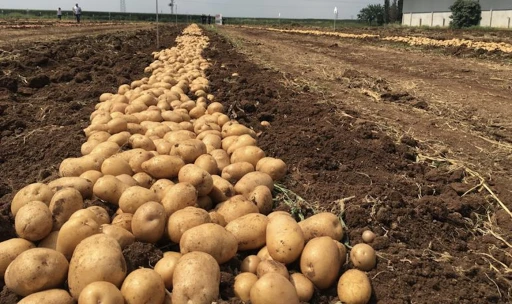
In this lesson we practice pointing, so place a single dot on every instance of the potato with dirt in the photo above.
(33, 221)
(320, 262)
(212, 239)
(251, 180)
(188, 287)
(197, 177)
(363, 257)
(354, 287)
(82, 183)
(274, 167)
(64, 203)
(108, 188)
(33, 192)
(235, 207)
(96, 258)
(249, 230)
(36, 269)
(73, 232)
(284, 238)
(184, 219)
(143, 285)
(10, 249)
(322, 224)
(134, 197)
(148, 222)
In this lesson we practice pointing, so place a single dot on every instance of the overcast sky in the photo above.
(347, 9)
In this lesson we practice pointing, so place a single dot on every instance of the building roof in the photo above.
(424, 6)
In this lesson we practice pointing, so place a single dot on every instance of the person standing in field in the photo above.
(59, 14)
(77, 10)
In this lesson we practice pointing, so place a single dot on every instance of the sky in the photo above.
(322, 9)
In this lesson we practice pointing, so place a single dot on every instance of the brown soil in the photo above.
(338, 115)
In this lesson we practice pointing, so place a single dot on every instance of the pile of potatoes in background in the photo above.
(411, 40)
(180, 172)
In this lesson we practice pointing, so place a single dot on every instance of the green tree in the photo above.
(400, 10)
(372, 13)
(465, 13)
(393, 12)
(386, 11)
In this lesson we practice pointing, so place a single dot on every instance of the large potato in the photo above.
(222, 190)
(115, 166)
(207, 163)
(197, 177)
(212, 239)
(250, 154)
(261, 196)
(234, 172)
(235, 207)
(163, 166)
(285, 239)
(143, 285)
(33, 221)
(73, 232)
(273, 287)
(51, 296)
(134, 197)
(35, 270)
(363, 257)
(322, 224)
(97, 258)
(251, 180)
(10, 249)
(243, 285)
(354, 287)
(189, 150)
(33, 192)
(249, 230)
(165, 267)
(77, 166)
(101, 292)
(320, 261)
(241, 141)
(82, 184)
(184, 219)
(64, 203)
(148, 222)
(178, 197)
(274, 167)
(109, 189)
(188, 287)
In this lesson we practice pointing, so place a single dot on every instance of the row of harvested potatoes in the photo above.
(180, 172)
(411, 40)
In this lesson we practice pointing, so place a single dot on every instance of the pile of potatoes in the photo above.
(411, 40)
(181, 172)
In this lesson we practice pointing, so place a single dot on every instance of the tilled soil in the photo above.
(429, 243)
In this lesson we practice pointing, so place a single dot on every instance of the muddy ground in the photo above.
(352, 124)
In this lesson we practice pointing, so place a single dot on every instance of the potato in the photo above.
(235, 207)
(251, 180)
(64, 203)
(322, 224)
(143, 179)
(91, 175)
(215, 107)
(178, 197)
(148, 222)
(221, 157)
(101, 292)
(363, 257)
(285, 239)
(50, 241)
(250, 264)
(115, 166)
(102, 216)
(249, 230)
(163, 166)
(108, 188)
(227, 142)
(212, 239)
(190, 288)
(121, 235)
(10, 249)
(51, 296)
(267, 266)
(343, 252)
(189, 150)
(35, 270)
(303, 286)
(234, 128)
(354, 287)
(141, 141)
(212, 140)
(123, 220)
(175, 137)
(320, 262)
(277, 213)
(218, 219)
(76, 166)
(96, 258)
(241, 141)
(197, 177)
(243, 285)
(105, 149)
(165, 268)
(234, 172)
(261, 196)
(159, 187)
(222, 190)
(121, 138)
(83, 185)
(33, 221)
(73, 232)
(207, 163)
(274, 167)
(273, 287)
(33, 192)
(184, 219)
(136, 160)
(134, 197)
(127, 179)
(143, 286)
(368, 236)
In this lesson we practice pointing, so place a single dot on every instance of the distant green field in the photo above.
(117, 16)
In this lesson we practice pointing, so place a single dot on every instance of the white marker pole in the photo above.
(279, 18)
(335, 16)
(157, 34)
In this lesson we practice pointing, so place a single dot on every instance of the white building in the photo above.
(495, 13)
